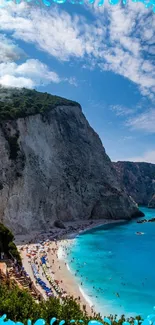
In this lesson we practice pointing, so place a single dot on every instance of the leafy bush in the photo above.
(14, 146)
(6, 243)
(17, 304)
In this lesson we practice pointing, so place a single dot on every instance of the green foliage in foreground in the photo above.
(18, 305)
(6, 243)
(15, 103)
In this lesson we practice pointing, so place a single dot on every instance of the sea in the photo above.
(115, 267)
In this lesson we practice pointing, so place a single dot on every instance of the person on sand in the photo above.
(30, 285)
(84, 307)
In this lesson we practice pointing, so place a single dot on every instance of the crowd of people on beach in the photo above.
(43, 275)
(42, 271)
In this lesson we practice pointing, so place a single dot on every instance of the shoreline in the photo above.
(59, 268)
(62, 243)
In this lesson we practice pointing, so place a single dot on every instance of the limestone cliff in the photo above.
(138, 179)
(53, 165)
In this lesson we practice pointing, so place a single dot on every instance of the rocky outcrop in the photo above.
(138, 180)
(53, 167)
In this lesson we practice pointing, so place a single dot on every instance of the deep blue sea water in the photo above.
(113, 259)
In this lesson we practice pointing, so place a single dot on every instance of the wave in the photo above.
(73, 235)
(60, 253)
(68, 268)
(86, 297)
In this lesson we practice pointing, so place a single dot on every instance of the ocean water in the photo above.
(115, 268)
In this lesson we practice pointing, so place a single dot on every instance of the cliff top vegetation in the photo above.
(16, 103)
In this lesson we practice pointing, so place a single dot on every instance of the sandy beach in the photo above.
(53, 243)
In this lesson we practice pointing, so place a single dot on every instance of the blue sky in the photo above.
(104, 58)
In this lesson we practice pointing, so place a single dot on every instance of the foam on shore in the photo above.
(86, 297)
(68, 268)
(60, 253)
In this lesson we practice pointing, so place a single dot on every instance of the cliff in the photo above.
(138, 180)
(53, 165)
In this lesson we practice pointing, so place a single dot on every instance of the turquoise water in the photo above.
(113, 259)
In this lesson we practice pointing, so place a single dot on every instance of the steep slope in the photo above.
(53, 165)
(138, 179)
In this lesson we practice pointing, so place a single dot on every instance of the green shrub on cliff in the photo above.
(14, 146)
(16, 103)
(6, 243)
(17, 304)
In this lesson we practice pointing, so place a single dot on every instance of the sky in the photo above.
(102, 57)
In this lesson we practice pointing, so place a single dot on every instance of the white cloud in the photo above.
(148, 156)
(19, 82)
(144, 121)
(128, 137)
(9, 50)
(122, 110)
(54, 32)
(38, 70)
(29, 74)
(115, 41)
(131, 40)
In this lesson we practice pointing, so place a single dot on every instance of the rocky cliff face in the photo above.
(53, 166)
(138, 180)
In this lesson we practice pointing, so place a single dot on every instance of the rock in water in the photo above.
(53, 165)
